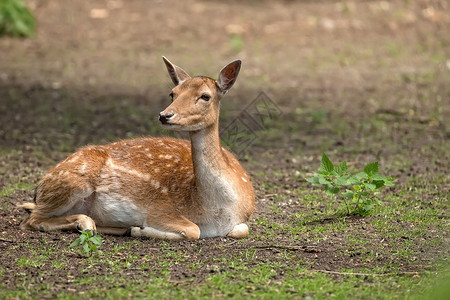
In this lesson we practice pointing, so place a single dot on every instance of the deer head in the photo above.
(196, 100)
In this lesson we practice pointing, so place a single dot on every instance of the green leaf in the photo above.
(83, 238)
(341, 168)
(324, 180)
(348, 194)
(379, 177)
(368, 207)
(389, 182)
(360, 176)
(331, 189)
(75, 243)
(15, 19)
(378, 183)
(371, 186)
(341, 181)
(326, 165)
(371, 168)
(97, 240)
(313, 180)
(86, 248)
(353, 180)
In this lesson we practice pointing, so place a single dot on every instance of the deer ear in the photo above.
(177, 74)
(228, 76)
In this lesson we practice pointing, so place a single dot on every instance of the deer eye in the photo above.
(205, 97)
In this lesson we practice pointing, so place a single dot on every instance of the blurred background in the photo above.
(342, 72)
(352, 56)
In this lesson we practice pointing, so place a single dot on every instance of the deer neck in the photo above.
(214, 182)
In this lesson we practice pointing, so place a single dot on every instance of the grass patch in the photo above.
(10, 189)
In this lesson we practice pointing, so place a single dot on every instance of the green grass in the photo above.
(8, 190)
(268, 281)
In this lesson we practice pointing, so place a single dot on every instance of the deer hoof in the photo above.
(135, 231)
(85, 223)
(239, 231)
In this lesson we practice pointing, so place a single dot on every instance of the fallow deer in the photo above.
(155, 187)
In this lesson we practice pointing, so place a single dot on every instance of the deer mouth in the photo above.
(170, 125)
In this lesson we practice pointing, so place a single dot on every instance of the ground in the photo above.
(362, 81)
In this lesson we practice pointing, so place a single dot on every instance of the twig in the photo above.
(269, 195)
(389, 112)
(229, 244)
(309, 249)
(363, 274)
(7, 241)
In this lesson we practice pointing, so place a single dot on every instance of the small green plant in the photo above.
(87, 243)
(16, 19)
(359, 188)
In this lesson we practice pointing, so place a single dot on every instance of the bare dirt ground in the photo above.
(360, 80)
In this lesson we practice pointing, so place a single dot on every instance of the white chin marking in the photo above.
(172, 126)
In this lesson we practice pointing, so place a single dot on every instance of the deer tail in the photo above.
(28, 206)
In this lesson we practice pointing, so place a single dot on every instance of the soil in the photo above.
(93, 74)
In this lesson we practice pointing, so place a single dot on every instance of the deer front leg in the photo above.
(239, 231)
(150, 232)
(173, 228)
(74, 223)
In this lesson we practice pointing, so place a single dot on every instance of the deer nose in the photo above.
(164, 118)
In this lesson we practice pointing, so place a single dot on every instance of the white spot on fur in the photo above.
(243, 179)
(155, 184)
(63, 173)
(167, 156)
(73, 158)
(164, 190)
(123, 169)
(83, 167)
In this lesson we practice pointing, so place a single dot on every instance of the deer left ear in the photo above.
(228, 76)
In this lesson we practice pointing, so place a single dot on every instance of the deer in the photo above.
(154, 187)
